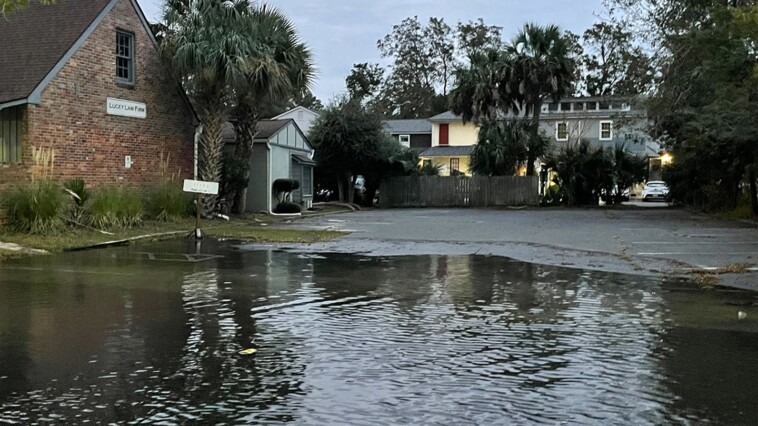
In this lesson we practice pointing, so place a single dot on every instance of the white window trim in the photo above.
(600, 135)
(557, 126)
(400, 139)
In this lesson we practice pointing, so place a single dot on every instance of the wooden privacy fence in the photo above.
(477, 191)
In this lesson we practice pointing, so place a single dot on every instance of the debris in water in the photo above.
(248, 351)
(741, 315)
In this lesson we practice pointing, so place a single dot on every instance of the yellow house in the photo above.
(452, 144)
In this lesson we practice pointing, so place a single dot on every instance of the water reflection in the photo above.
(153, 334)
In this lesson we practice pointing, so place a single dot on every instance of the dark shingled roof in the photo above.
(34, 39)
(408, 127)
(266, 129)
(448, 151)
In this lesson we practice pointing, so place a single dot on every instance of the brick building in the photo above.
(83, 79)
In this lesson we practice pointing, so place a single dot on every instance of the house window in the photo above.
(11, 129)
(454, 165)
(606, 130)
(561, 131)
(124, 57)
(405, 140)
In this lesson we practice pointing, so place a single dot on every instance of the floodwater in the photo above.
(153, 334)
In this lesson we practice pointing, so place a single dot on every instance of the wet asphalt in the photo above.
(664, 241)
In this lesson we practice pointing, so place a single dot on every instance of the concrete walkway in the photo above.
(649, 241)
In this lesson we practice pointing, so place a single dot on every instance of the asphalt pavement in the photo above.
(642, 241)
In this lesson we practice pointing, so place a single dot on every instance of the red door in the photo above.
(444, 134)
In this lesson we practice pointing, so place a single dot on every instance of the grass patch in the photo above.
(247, 229)
(84, 237)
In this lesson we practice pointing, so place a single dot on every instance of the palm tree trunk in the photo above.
(244, 126)
(210, 157)
(534, 134)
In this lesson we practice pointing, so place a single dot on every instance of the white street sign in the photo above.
(125, 108)
(200, 187)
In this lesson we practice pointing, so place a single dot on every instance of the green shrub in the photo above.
(36, 208)
(116, 207)
(286, 185)
(287, 208)
(167, 201)
(79, 197)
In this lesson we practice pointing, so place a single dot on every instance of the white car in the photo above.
(655, 190)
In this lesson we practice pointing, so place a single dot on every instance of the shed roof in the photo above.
(448, 151)
(265, 129)
(36, 38)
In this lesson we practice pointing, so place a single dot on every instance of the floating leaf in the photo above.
(248, 351)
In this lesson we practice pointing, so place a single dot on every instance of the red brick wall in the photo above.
(90, 144)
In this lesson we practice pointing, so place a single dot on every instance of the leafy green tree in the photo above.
(364, 81)
(501, 148)
(347, 140)
(584, 173)
(705, 102)
(423, 59)
(475, 36)
(612, 64)
(628, 170)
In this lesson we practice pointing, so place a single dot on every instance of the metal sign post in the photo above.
(199, 187)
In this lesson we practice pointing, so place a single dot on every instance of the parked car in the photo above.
(655, 190)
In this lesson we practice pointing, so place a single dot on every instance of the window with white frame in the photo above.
(561, 131)
(405, 140)
(606, 130)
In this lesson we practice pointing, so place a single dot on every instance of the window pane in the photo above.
(124, 57)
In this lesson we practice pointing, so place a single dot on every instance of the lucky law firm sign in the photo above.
(125, 108)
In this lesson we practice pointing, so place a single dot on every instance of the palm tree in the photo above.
(483, 90)
(280, 67)
(542, 68)
(207, 45)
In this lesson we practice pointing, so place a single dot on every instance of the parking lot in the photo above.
(649, 241)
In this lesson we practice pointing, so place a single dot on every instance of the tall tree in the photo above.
(423, 58)
(348, 141)
(475, 36)
(536, 65)
(704, 102)
(279, 68)
(207, 48)
(612, 64)
(364, 81)
(542, 67)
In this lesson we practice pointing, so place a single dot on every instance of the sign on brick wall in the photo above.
(126, 108)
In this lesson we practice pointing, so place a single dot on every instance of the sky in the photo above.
(341, 33)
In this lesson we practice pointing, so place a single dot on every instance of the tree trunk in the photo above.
(246, 121)
(753, 176)
(535, 133)
(210, 156)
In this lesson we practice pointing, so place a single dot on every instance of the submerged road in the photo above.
(645, 241)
